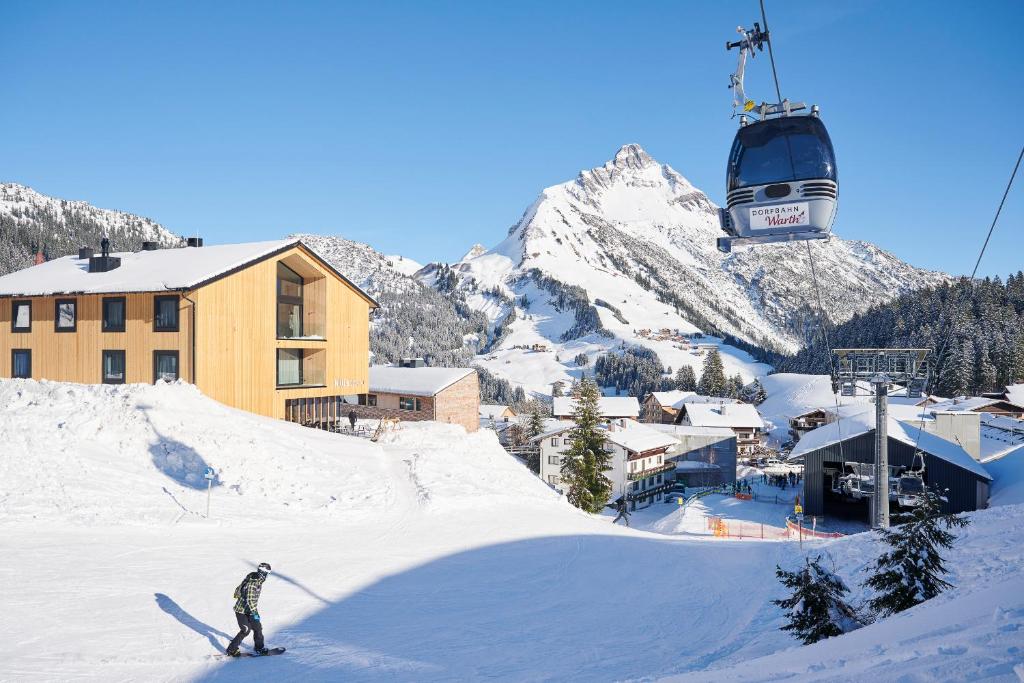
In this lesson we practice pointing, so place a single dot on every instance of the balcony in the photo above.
(643, 474)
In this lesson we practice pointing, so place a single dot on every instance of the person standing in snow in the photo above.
(352, 419)
(247, 595)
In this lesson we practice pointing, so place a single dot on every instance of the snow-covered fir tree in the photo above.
(685, 379)
(817, 607)
(712, 378)
(910, 571)
(585, 463)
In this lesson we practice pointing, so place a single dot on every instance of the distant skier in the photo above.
(247, 595)
(352, 419)
(623, 512)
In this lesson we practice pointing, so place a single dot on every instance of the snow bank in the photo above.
(137, 453)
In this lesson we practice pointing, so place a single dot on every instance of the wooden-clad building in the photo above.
(257, 326)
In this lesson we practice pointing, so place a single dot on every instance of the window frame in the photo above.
(554, 460)
(56, 316)
(177, 363)
(177, 313)
(277, 369)
(289, 300)
(14, 318)
(417, 406)
(103, 314)
(103, 366)
(15, 352)
(368, 400)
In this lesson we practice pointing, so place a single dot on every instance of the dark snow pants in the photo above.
(245, 624)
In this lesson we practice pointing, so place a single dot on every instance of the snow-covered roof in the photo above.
(553, 427)
(963, 403)
(608, 406)
(1015, 394)
(690, 430)
(489, 410)
(670, 399)
(864, 422)
(735, 415)
(390, 379)
(637, 437)
(145, 271)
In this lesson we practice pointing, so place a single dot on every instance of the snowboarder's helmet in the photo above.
(264, 568)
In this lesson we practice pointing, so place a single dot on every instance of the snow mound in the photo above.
(137, 454)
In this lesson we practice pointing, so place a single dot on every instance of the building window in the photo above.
(165, 366)
(409, 403)
(659, 459)
(165, 314)
(289, 303)
(65, 316)
(554, 460)
(554, 441)
(21, 316)
(659, 478)
(289, 367)
(113, 314)
(21, 363)
(552, 478)
(368, 399)
(632, 466)
(113, 367)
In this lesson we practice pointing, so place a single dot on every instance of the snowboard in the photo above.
(246, 653)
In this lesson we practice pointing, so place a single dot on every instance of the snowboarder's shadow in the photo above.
(175, 610)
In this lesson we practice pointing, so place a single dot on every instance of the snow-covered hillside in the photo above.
(61, 226)
(636, 235)
(431, 556)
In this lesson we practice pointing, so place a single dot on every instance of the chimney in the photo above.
(105, 262)
(85, 253)
(194, 242)
(150, 246)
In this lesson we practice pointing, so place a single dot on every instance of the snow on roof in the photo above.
(553, 427)
(962, 403)
(1015, 394)
(742, 415)
(690, 430)
(864, 422)
(389, 379)
(140, 271)
(671, 398)
(638, 437)
(491, 409)
(608, 406)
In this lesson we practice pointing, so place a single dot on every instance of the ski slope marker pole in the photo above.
(208, 475)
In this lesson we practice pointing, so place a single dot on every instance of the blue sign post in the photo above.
(209, 476)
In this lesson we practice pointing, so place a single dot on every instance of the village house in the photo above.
(640, 469)
(981, 404)
(661, 407)
(415, 394)
(741, 418)
(609, 407)
(492, 413)
(255, 326)
(703, 456)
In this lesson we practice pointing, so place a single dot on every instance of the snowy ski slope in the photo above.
(432, 556)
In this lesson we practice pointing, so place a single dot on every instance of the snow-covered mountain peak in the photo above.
(474, 251)
(632, 156)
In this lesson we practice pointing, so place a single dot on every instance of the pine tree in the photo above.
(585, 463)
(909, 573)
(535, 420)
(712, 379)
(685, 379)
(817, 608)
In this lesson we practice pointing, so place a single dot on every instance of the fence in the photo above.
(809, 531)
(736, 528)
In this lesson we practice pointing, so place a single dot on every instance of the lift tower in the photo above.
(882, 367)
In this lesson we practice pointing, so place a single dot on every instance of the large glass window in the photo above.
(65, 318)
(289, 303)
(165, 366)
(113, 314)
(289, 367)
(367, 399)
(113, 367)
(165, 314)
(781, 150)
(21, 316)
(21, 363)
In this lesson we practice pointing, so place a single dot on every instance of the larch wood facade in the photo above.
(231, 355)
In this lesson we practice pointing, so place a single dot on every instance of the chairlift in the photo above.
(782, 180)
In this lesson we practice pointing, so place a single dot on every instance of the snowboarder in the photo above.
(247, 595)
(352, 419)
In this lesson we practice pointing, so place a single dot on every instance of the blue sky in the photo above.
(422, 128)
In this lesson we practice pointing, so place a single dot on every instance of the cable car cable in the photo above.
(771, 55)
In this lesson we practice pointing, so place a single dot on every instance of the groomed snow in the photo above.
(430, 556)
